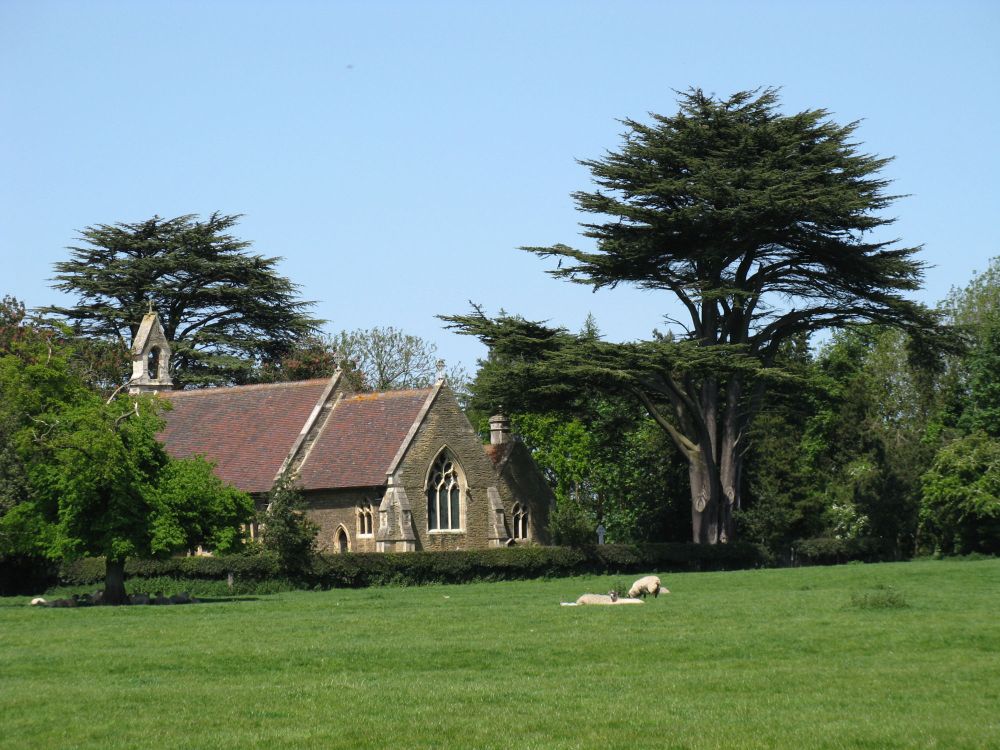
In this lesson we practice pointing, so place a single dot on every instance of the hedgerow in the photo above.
(248, 573)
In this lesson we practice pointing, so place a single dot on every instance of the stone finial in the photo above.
(440, 369)
(150, 357)
(499, 430)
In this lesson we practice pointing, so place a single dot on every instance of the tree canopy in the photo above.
(760, 225)
(224, 309)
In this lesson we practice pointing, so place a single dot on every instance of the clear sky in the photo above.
(397, 153)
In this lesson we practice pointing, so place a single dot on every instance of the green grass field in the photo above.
(860, 656)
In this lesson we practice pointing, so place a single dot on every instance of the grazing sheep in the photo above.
(647, 585)
(39, 602)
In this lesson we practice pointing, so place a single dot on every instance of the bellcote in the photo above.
(150, 357)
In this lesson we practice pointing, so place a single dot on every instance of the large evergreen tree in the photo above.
(224, 309)
(759, 224)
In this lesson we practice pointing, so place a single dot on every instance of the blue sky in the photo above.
(396, 154)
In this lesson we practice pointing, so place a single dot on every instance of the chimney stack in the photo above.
(499, 430)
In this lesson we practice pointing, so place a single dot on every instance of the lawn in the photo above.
(859, 656)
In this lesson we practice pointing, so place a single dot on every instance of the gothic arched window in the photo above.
(444, 495)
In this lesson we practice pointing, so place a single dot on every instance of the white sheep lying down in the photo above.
(610, 598)
(647, 585)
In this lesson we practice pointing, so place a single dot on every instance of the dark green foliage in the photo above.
(759, 224)
(287, 531)
(22, 575)
(831, 551)
(571, 526)
(224, 310)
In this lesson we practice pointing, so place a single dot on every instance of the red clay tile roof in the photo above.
(246, 431)
(359, 441)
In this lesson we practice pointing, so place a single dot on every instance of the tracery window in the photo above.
(366, 520)
(444, 495)
(519, 516)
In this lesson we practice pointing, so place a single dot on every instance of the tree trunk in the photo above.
(704, 503)
(114, 581)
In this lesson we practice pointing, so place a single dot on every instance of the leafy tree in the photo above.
(95, 479)
(287, 530)
(758, 224)
(960, 511)
(224, 309)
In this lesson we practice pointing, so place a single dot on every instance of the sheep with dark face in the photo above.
(647, 585)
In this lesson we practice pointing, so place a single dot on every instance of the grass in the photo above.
(862, 656)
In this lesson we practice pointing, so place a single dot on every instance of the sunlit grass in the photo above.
(804, 658)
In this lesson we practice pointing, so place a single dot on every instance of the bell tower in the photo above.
(150, 357)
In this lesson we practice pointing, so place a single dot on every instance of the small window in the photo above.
(519, 516)
(444, 496)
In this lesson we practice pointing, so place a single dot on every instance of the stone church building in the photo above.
(391, 471)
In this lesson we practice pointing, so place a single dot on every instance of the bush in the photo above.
(571, 526)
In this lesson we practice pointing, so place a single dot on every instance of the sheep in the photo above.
(609, 598)
(39, 602)
(647, 585)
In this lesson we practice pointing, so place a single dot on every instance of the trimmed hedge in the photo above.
(357, 570)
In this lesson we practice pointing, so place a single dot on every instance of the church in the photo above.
(394, 471)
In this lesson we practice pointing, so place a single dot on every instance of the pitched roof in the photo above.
(359, 441)
(246, 431)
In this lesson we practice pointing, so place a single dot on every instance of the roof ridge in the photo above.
(243, 388)
(383, 394)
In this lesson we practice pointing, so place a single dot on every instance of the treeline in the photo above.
(873, 443)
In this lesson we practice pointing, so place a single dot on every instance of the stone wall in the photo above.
(332, 508)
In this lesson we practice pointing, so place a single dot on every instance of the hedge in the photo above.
(356, 570)
(830, 551)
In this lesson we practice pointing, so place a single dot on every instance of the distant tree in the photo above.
(224, 309)
(373, 359)
(758, 224)
(390, 359)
